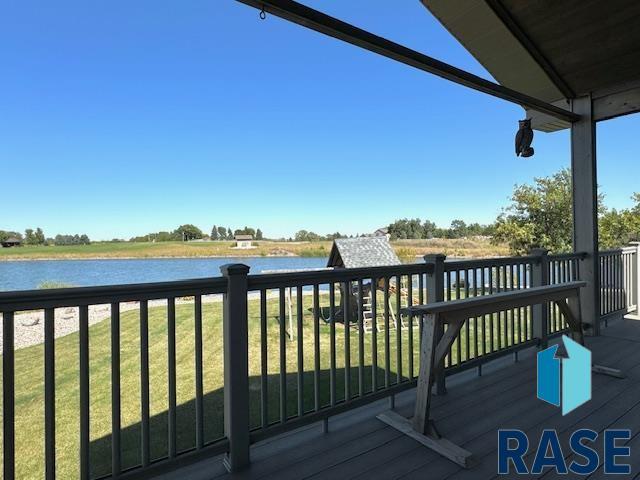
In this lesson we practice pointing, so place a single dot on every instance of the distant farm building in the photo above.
(244, 241)
(381, 232)
(11, 242)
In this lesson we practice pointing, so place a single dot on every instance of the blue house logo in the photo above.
(565, 381)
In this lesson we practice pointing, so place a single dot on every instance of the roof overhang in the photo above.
(553, 51)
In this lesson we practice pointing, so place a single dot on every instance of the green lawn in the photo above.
(408, 250)
(30, 381)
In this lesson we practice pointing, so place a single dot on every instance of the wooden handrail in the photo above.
(476, 306)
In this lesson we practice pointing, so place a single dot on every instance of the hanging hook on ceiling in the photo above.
(263, 14)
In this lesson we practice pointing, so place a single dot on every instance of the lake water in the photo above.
(27, 275)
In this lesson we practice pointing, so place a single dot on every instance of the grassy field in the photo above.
(30, 381)
(406, 249)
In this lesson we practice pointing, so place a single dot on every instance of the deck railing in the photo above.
(618, 281)
(104, 395)
(164, 381)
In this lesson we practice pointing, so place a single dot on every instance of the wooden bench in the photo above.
(433, 351)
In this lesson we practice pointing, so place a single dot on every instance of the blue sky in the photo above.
(119, 118)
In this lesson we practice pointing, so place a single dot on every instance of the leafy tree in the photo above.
(188, 232)
(32, 237)
(458, 229)
(540, 216)
(259, 235)
(429, 229)
(229, 234)
(214, 233)
(619, 227)
(76, 239)
(245, 231)
(39, 236)
(406, 228)
(222, 233)
(29, 237)
(305, 236)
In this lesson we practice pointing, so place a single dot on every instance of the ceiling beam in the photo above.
(507, 19)
(320, 22)
(616, 101)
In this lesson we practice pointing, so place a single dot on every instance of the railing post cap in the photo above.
(234, 269)
(434, 257)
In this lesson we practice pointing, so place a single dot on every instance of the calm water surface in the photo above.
(26, 275)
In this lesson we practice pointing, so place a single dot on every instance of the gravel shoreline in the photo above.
(29, 326)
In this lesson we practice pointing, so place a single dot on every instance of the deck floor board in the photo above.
(360, 446)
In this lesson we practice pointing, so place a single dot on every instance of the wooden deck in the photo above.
(360, 446)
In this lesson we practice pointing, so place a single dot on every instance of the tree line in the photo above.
(189, 232)
(37, 237)
(416, 229)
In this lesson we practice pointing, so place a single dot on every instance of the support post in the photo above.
(435, 293)
(540, 312)
(236, 367)
(585, 210)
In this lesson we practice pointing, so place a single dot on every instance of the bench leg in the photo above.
(576, 328)
(435, 442)
(421, 427)
(425, 378)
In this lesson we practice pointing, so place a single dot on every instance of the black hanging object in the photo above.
(263, 14)
(524, 137)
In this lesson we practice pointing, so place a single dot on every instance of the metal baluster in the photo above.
(398, 329)
(458, 343)
(171, 357)
(264, 371)
(145, 438)
(484, 317)
(332, 350)
(468, 320)
(283, 357)
(410, 332)
(49, 394)
(300, 338)
(491, 316)
(513, 312)
(8, 396)
(347, 340)
(374, 334)
(360, 340)
(316, 348)
(197, 314)
(449, 359)
(83, 337)
(115, 389)
(387, 359)
(501, 329)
